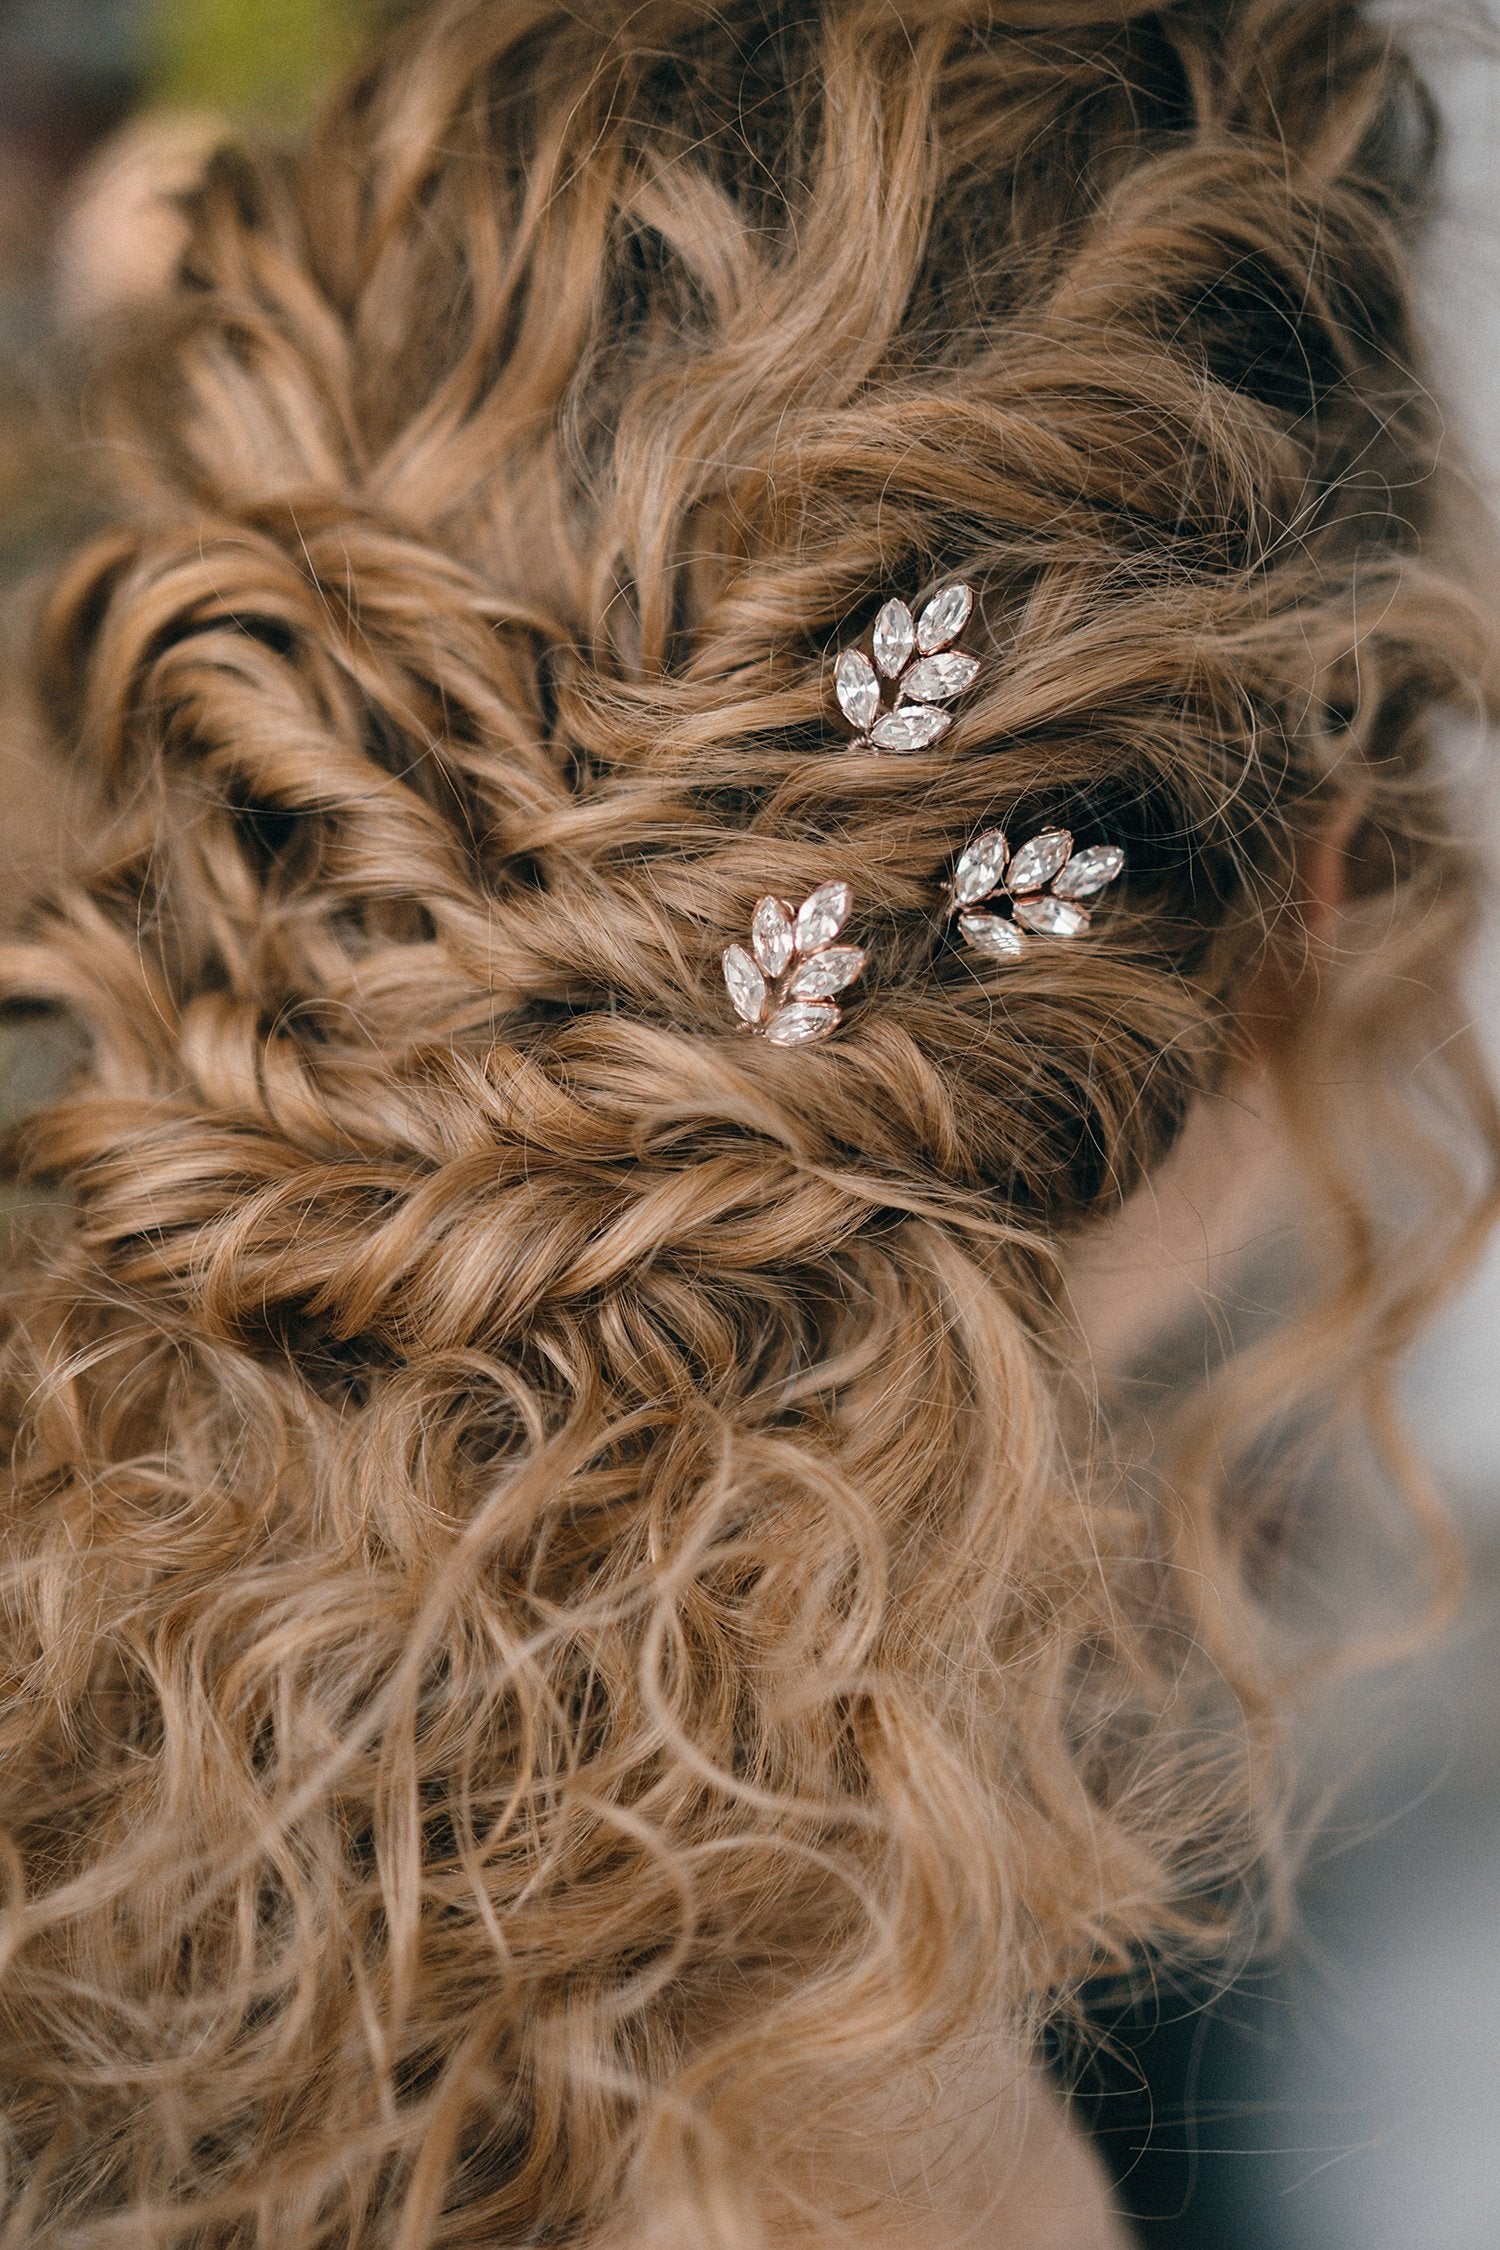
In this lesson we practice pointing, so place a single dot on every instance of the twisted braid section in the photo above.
(568, 1617)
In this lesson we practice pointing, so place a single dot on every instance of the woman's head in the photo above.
(573, 1608)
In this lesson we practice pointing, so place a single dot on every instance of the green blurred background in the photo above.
(257, 58)
(261, 59)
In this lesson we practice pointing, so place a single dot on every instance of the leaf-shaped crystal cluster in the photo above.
(783, 984)
(896, 698)
(1044, 884)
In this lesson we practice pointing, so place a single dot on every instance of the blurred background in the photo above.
(1349, 2099)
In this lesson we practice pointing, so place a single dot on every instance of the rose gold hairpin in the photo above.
(783, 987)
(1044, 885)
(915, 664)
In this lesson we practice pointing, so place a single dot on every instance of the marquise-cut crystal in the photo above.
(802, 1022)
(858, 688)
(937, 679)
(1087, 872)
(1037, 862)
(895, 638)
(773, 936)
(747, 987)
(826, 973)
(989, 933)
(981, 868)
(944, 618)
(822, 916)
(1052, 917)
(913, 727)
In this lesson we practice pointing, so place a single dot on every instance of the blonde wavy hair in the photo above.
(568, 1609)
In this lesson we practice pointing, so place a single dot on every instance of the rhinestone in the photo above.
(895, 638)
(913, 727)
(1037, 862)
(822, 916)
(803, 1023)
(825, 973)
(981, 869)
(772, 935)
(747, 987)
(858, 688)
(937, 679)
(944, 618)
(1087, 872)
(988, 933)
(1052, 917)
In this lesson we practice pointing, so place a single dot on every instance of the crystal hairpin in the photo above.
(1043, 884)
(784, 986)
(916, 663)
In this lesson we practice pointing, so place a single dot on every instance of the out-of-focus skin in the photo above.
(78, 244)
(1007, 2170)
(988, 2160)
(124, 230)
(1171, 1252)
